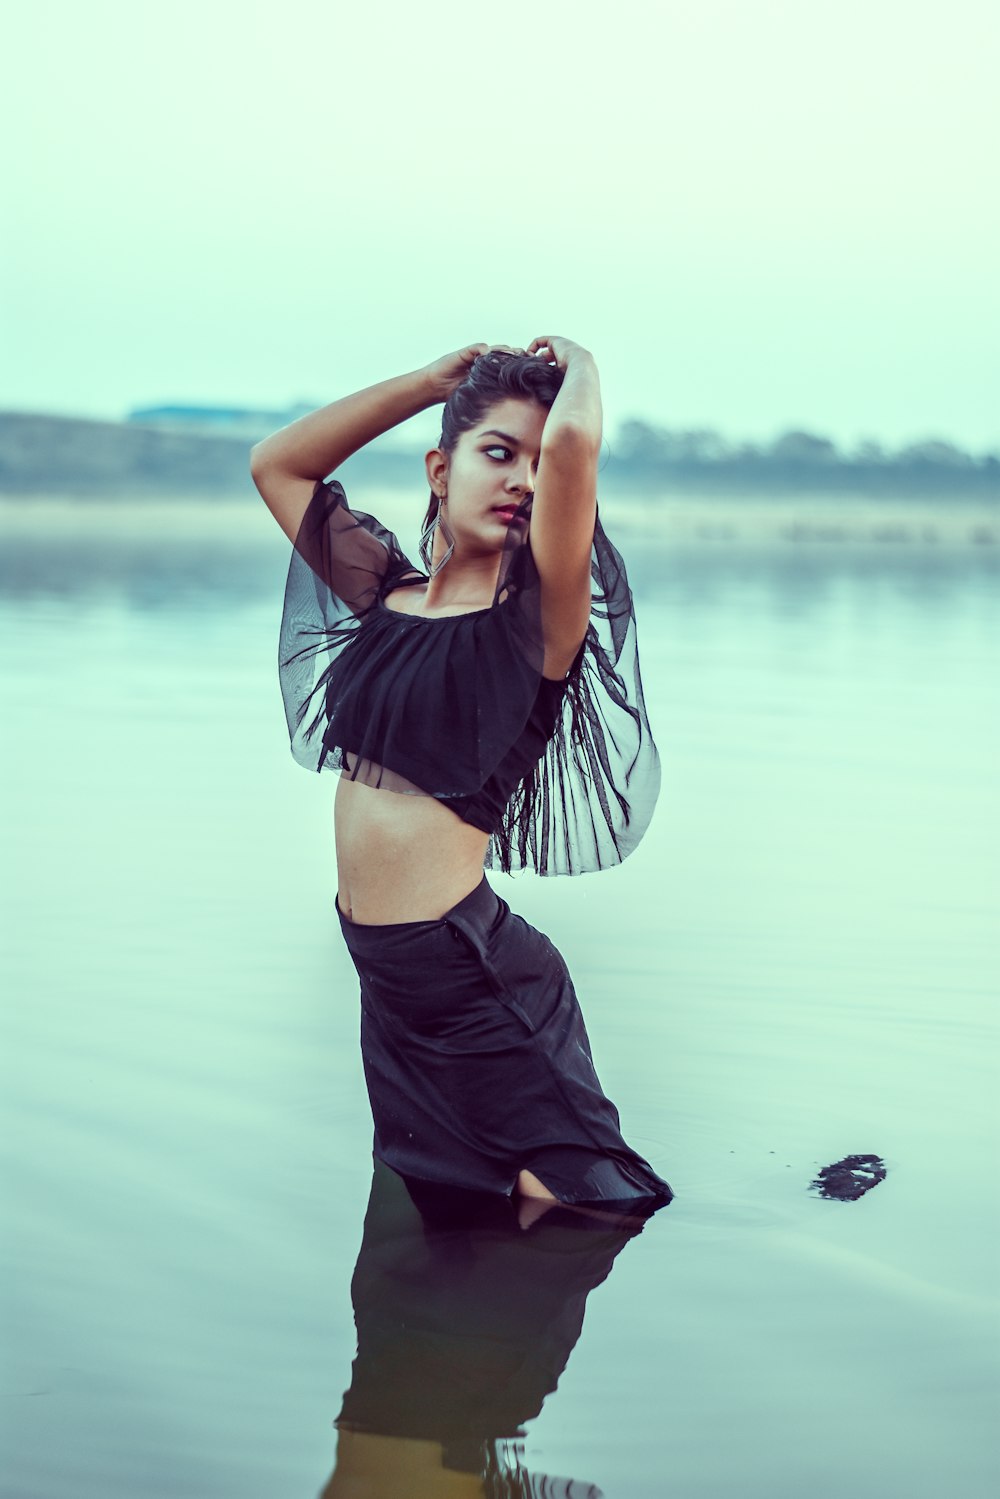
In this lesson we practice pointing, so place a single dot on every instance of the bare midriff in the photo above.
(401, 857)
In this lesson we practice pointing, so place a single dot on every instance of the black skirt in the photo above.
(477, 1060)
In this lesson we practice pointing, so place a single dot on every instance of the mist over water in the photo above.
(799, 962)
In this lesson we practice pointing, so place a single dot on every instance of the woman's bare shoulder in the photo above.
(406, 593)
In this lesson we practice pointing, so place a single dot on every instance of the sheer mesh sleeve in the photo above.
(590, 798)
(563, 774)
(342, 562)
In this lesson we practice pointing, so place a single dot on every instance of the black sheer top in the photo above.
(563, 774)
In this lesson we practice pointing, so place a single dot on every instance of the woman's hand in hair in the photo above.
(448, 372)
(557, 351)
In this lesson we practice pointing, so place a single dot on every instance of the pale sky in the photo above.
(756, 215)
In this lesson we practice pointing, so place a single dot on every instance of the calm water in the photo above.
(799, 962)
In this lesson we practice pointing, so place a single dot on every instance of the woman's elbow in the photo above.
(259, 458)
(571, 440)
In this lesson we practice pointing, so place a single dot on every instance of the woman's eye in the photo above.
(504, 454)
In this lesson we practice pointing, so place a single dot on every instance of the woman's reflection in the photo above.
(466, 1317)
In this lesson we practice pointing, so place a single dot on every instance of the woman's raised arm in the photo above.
(564, 510)
(286, 465)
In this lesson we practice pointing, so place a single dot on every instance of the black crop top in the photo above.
(563, 775)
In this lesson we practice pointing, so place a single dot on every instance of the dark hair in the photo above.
(492, 378)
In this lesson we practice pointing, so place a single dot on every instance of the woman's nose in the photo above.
(522, 478)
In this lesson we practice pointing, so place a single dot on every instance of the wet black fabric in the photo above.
(563, 774)
(466, 1320)
(478, 1062)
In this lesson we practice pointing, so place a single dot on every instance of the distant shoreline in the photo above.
(83, 456)
(167, 478)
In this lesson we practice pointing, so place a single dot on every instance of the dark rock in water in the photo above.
(851, 1178)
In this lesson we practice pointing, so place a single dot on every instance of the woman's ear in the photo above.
(436, 463)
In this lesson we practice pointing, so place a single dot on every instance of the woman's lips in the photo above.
(507, 511)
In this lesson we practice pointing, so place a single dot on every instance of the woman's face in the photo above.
(491, 470)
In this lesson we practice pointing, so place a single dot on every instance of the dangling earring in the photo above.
(427, 540)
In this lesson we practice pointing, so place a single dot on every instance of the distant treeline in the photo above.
(67, 456)
(800, 461)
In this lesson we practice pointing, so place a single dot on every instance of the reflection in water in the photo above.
(465, 1321)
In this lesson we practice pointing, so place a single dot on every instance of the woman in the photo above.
(496, 697)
